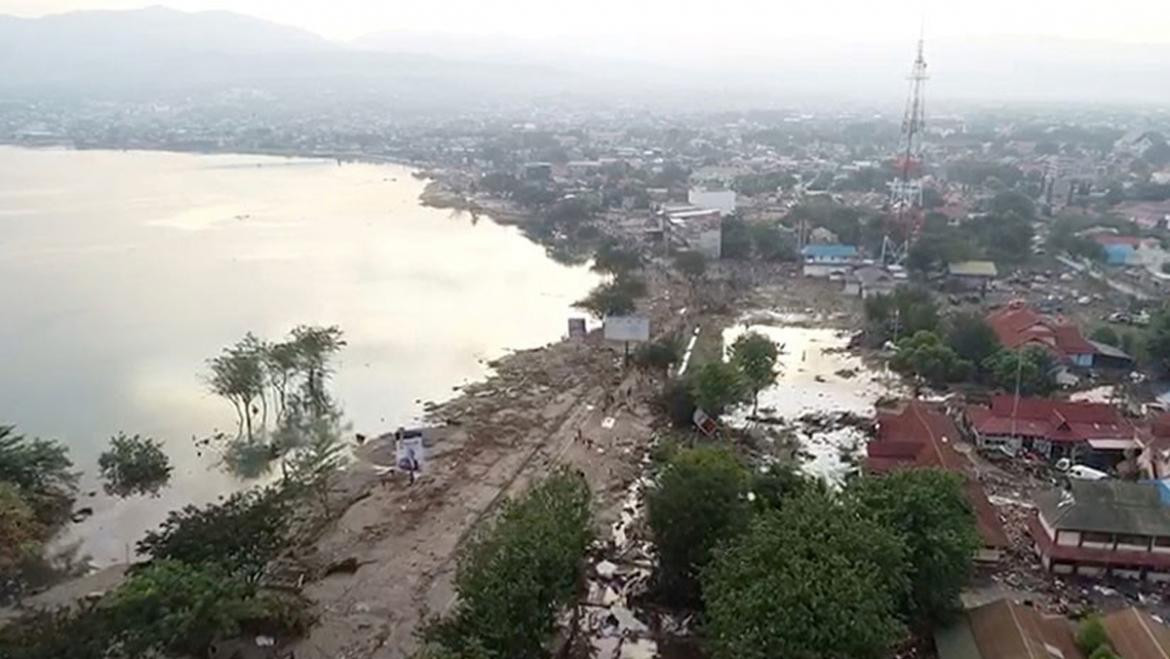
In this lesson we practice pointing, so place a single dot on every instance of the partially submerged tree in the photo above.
(294, 374)
(237, 374)
(699, 502)
(134, 465)
(755, 356)
(613, 259)
(517, 573)
(614, 298)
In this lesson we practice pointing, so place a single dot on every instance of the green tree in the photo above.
(698, 503)
(755, 356)
(1091, 635)
(811, 580)
(971, 337)
(40, 469)
(1104, 652)
(736, 239)
(928, 510)
(1107, 335)
(1032, 369)
(22, 535)
(926, 356)
(1157, 342)
(658, 356)
(319, 454)
(176, 607)
(243, 532)
(770, 244)
(515, 575)
(614, 298)
(1012, 201)
(716, 385)
(134, 465)
(612, 259)
(237, 375)
(902, 313)
(692, 265)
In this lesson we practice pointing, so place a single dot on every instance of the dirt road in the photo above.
(501, 435)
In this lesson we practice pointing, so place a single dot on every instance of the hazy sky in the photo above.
(729, 21)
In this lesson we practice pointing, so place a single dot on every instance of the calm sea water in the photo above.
(122, 272)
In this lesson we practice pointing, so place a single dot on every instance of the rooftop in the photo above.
(829, 251)
(1106, 506)
(1055, 420)
(973, 269)
(1018, 325)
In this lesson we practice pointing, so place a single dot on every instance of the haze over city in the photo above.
(537, 329)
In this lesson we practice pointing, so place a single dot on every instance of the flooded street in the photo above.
(822, 394)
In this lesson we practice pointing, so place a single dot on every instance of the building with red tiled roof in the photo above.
(923, 437)
(1004, 629)
(1052, 428)
(1018, 326)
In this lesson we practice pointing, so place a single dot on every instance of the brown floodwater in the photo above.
(122, 272)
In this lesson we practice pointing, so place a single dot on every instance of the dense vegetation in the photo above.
(781, 566)
(514, 576)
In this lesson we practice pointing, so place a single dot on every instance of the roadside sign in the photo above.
(410, 454)
(627, 328)
(576, 328)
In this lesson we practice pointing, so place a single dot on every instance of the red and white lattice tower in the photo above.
(906, 188)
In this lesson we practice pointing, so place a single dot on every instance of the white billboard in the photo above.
(627, 328)
(411, 456)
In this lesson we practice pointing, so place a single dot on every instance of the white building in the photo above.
(722, 200)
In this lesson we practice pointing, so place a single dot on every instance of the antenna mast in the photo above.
(906, 189)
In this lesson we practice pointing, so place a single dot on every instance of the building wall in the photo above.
(723, 200)
(823, 270)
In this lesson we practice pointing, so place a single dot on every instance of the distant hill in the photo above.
(146, 31)
(160, 53)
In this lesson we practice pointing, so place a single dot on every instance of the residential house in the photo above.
(868, 281)
(1135, 634)
(828, 260)
(971, 276)
(1018, 326)
(1093, 433)
(1119, 250)
(922, 437)
(1104, 528)
(1004, 629)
